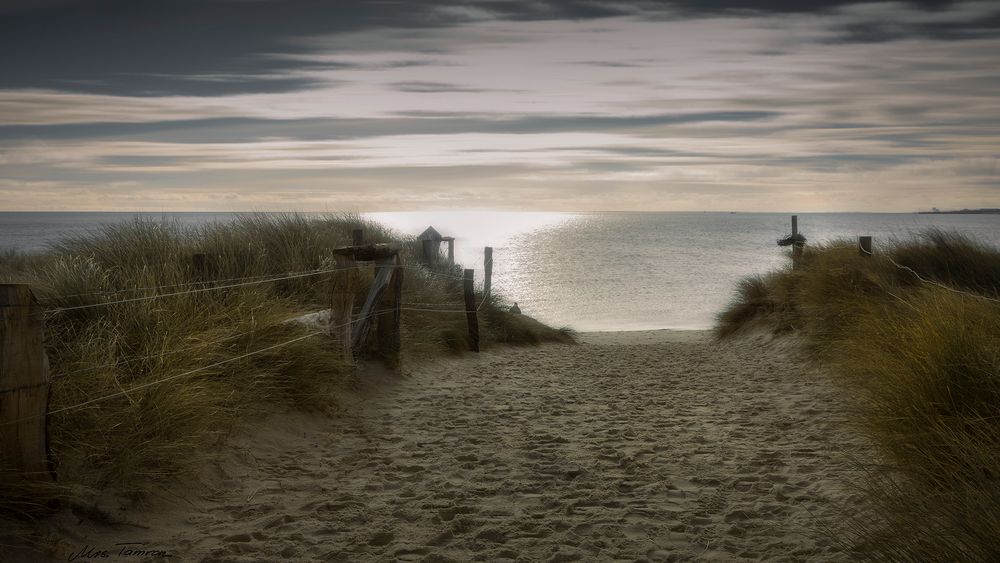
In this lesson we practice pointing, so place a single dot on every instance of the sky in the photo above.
(554, 105)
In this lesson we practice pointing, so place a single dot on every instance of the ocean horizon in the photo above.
(590, 271)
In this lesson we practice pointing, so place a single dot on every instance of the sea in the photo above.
(591, 271)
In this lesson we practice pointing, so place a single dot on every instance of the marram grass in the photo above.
(924, 360)
(141, 439)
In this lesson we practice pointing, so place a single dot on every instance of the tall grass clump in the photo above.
(142, 387)
(916, 329)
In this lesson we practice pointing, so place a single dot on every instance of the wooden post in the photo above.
(358, 237)
(389, 316)
(865, 246)
(199, 264)
(451, 251)
(342, 303)
(24, 384)
(359, 336)
(796, 247)
(488, 270)
(470, 309)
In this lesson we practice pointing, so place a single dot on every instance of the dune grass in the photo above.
(144, 436)
(925, 356)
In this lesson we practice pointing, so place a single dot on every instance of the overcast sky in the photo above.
(514, 104)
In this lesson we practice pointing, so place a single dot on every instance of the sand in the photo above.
(640, 446)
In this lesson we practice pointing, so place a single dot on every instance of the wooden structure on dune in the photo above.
(430, 245)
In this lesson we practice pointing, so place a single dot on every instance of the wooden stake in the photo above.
(470, 309)
(389, 317)
(363, 326)
(342, 303)
(488, 270)
(358, 237)
(24, 384)
(865, 246)
(796, 247)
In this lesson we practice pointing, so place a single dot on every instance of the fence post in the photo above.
(488, 271)
(470, 309)
(342, 303)
(24, 384)
(865, 246)
(358, 237)
(796, 247)
(389, 316)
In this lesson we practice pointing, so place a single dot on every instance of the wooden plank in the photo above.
(383, 271)
(488, 271)
(342, 303)
(470, 309)
(24, 384)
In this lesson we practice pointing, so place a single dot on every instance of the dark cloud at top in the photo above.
(219, 47)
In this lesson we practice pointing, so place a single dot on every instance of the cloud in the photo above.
(639, 105)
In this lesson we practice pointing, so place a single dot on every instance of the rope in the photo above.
(175, 376)
(182, 374)
(159, 287)
(200, 290)
(938, 284)
(162, 354)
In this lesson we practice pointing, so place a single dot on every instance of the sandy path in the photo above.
(641, 446)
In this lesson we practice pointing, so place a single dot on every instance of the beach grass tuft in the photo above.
(914, 330)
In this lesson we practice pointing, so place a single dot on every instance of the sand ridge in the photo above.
(652, 446)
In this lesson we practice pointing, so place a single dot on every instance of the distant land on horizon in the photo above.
(985, 211)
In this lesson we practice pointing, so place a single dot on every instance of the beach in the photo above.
(649, 446)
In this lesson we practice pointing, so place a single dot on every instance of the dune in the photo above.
(650, 446)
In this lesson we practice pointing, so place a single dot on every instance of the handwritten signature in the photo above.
(123, 549)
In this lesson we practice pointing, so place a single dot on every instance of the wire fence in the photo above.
(446, 307)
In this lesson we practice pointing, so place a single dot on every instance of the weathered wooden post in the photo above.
(865, 246)
(200, 265)
(451, 250)
(470, 309)
(796, 245)
(342, 302)
(487, 270)
(358, 237)
(24, 384)
(383, 304)
(389, 315)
